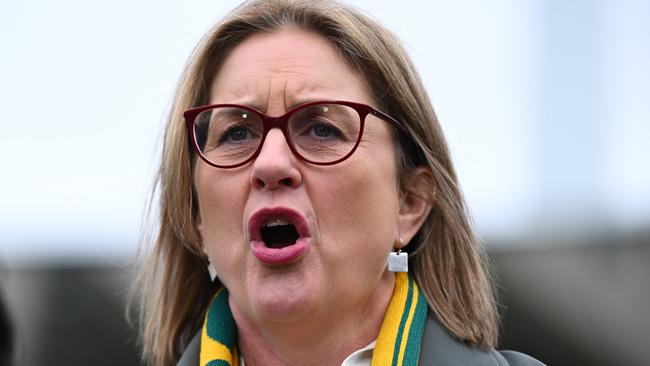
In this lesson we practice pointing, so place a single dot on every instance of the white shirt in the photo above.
(360, 357)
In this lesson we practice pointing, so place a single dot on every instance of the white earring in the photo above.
(398, 261)
(212, 271)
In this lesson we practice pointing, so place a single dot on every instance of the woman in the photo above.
(303, 164)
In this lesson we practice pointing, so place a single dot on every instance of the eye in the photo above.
(323, 125)
(322, 130)
(236, 134)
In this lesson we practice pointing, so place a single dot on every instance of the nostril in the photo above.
(286, 182)
(258, 183)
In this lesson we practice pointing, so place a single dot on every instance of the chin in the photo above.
(283, 297)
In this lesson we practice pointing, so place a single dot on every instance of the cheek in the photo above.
(358, 213)
(357, 218)
(218, 196)
(221, 200)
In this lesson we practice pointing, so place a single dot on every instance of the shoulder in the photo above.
(513, 358)
(190, 356)
(440, 348)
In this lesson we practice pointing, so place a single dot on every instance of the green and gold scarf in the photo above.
(398, 343)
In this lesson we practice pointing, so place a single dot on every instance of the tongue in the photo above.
(279, 236)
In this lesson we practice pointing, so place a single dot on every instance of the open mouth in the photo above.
(278, 236)
(279, 233)
(278, 227)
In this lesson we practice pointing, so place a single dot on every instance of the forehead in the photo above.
(289, 64)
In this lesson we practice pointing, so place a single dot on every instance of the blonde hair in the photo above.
(448, 262)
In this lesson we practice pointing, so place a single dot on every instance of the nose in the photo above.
(275, 166)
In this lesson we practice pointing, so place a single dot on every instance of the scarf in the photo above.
(398, 343)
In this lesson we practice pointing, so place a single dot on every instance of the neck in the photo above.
(322, 339)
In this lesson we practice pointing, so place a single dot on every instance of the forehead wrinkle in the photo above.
(292, 83)
(284, 94)
(251, 88)
(291, 94)
(233, 91)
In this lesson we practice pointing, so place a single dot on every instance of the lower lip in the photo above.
(279, 256)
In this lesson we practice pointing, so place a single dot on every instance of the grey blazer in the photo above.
(439, 348)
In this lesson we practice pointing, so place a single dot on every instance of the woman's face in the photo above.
(346, 214)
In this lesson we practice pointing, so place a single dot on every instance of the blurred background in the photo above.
(544, 104)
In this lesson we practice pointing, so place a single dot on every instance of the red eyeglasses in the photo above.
(322, 133)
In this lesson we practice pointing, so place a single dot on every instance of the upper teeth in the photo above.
(276, 222)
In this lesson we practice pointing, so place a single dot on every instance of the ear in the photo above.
(416, 200)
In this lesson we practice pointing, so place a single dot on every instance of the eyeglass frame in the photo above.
(282, 122)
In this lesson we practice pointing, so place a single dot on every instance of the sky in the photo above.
(543, 103)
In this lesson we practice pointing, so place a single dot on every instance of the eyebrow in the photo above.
(294, 103)
(298, 102)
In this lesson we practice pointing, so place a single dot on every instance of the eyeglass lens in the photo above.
(320, 133)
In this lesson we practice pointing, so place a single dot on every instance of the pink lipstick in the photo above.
(278, 235)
